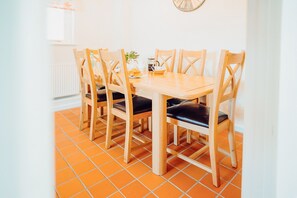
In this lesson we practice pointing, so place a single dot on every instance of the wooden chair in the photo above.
(80, 60)
(191, 63)
(166, 58)
(92, 97)
(210, 121)
(134, 108)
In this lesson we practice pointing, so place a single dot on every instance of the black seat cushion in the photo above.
(101, 95)
(175, 101)
(140, 105)
(193, 113)
(100, 87)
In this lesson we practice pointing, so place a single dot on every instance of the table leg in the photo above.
(159, 131)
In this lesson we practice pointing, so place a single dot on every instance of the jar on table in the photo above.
(152, 63)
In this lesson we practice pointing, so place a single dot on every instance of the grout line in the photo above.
(56, 190)
(106, 163)
(77, 177)
(135, 178)
(179, 171)
(136, 161)
(233, 179)
(78, 193)
(88, 159)
(139, 160)
(198, 181)
(235, 186)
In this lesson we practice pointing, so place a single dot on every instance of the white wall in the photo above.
(214, 26)
(146, 25)
(97, 24)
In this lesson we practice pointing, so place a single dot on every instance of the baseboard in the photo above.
(59, 104)
(239, 128)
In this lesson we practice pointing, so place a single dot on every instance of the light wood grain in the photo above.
(159, 133)
(193, 63)
(226, 87)
(175, 85)
(92, 58)
(159, 88)
(116, 78)
(87, 86)
(80, 60)
(89, 70)
(166, 58)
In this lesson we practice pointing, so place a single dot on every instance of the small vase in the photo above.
(132, 64)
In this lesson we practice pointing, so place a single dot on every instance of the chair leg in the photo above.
(82, 116)
(207, 100)
(213, 151)
(89, 114)
(169, 139)
(93, 123)
(149, 123)
(232, 146)
(189, 138)
(101, 111)
(141, 127)
(197, 100)
(110, 118)
(176, 130)
(128, 140)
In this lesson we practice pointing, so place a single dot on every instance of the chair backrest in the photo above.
(228, 80)
(191, 62)
(166, 58)
(116, 77)
(80, 59)
(92, 59)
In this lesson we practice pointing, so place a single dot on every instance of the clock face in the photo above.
(188, 5)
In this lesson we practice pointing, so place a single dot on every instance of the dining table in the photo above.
(159, 88)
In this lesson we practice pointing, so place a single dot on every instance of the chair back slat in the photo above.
(116, 88)
(81, 64)
(114, 71)
(166, 58)
(229, 75)
(116, 78)
(94, 60)
(92, 57)
(191, 62)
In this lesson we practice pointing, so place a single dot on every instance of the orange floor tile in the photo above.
(87, 169)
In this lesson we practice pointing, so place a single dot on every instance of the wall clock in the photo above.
(188, 5)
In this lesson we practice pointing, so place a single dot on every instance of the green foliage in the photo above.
(132, 55)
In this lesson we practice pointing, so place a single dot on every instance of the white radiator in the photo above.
(65, 80)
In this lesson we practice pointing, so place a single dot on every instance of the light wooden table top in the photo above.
(175, 84)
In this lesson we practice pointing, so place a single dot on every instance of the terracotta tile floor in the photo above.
(86, 169)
